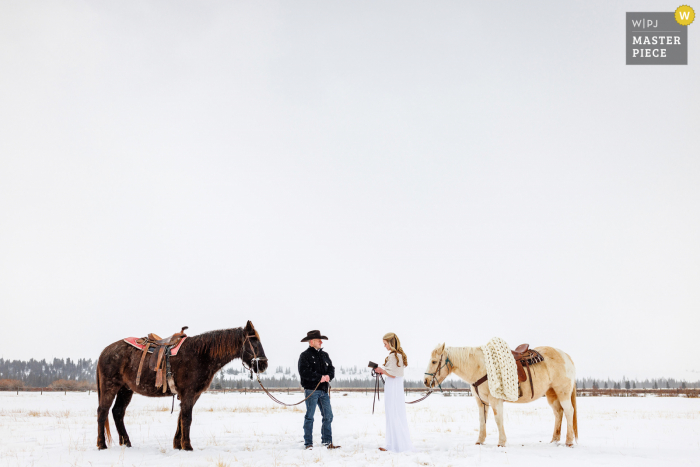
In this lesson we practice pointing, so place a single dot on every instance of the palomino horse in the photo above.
(197, 362)
(555, 377)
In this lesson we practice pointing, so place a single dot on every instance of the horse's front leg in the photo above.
(186, 406)
(497, 407)
(483, 415)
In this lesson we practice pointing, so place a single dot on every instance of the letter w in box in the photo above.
(656, 39)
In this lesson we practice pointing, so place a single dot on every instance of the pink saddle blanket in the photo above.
(132, 341)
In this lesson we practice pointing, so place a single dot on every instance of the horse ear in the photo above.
(441, 348)
(249, 326)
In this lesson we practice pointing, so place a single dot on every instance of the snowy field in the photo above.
(248, 430)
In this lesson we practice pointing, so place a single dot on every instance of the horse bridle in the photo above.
(439, 367)
(255, 360)
(448, 362)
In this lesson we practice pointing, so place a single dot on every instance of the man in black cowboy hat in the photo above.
(315, 365)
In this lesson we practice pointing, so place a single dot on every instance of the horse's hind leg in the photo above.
(558, 414)
(177, 441)
(106, 395)
(118, 411)
(565, 401)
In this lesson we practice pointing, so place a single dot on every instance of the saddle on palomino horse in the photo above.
(523, 355)
(160, 350)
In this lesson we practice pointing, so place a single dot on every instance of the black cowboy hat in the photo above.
(313, 335)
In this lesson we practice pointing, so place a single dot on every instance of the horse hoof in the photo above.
(569, 445)
(501, 445)
(100, 448)
(187, 448)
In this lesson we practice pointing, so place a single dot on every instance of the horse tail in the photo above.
(99, 399)
(109, 435)
(573, 402)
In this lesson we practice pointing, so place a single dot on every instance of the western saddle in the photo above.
(160, 358)
(524, 356)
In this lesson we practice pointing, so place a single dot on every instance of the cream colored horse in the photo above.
(555, 377)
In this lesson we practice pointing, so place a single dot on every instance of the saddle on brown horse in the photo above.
(524, 356)
(160, 358)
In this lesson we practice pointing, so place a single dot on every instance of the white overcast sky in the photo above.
(446, 171)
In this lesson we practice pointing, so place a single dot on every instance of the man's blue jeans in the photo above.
(323, 400)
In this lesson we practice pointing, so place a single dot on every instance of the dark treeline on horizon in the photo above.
(40, 373)
(658, 383)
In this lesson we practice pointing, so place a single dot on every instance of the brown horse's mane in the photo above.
(222, 343)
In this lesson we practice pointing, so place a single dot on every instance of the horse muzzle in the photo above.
(259, 364)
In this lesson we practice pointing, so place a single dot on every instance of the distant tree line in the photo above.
(40, 373)
(81, 372)
(277, 381)
(624, 383)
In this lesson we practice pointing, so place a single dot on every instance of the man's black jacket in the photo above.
(313, 364)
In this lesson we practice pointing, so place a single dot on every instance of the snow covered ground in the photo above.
(235, 429)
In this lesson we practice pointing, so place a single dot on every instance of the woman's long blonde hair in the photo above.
(395, 345)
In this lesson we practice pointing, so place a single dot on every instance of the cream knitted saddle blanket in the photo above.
(501, 370)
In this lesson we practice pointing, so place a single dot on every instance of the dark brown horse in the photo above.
(194, 367)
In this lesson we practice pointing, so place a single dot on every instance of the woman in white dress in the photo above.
(398, 439)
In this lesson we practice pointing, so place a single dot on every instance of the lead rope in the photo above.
(376, 391)
(434, 375)
(377, 377)
(257, 376)
(291, 405)
(427, 394)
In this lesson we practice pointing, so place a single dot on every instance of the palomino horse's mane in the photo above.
(221, 343)
(458, 355)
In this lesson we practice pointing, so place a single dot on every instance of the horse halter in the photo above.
(255, 360)
(439, 367)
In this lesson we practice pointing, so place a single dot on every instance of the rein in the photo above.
(427, 394)
(377, 377)
(434, 375)
(375, 398)
(256, 360)
(274, 399)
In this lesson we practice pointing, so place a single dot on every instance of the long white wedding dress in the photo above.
(398, 438)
